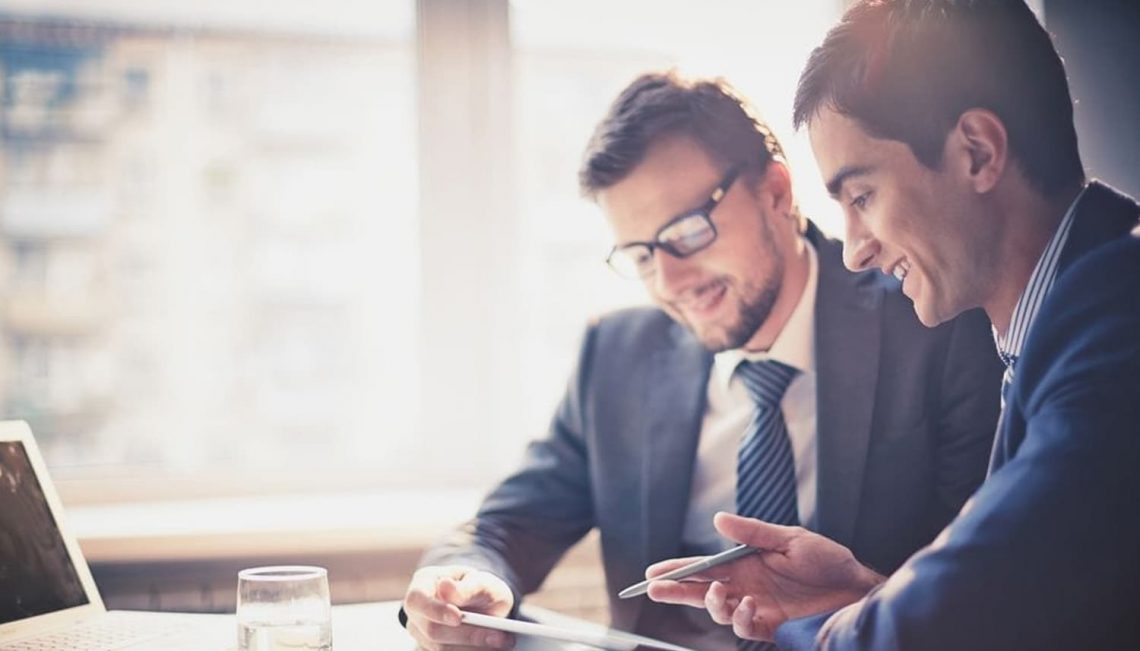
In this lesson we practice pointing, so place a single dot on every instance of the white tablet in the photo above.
(580, 633)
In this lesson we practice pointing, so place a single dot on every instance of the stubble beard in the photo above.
(754, 302)
(754, 306)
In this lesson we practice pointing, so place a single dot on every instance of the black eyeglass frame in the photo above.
(704, 212)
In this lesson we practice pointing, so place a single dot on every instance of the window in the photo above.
(197, 214)
(245, 252)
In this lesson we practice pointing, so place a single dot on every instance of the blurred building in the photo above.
(342, 242)
(189, 225)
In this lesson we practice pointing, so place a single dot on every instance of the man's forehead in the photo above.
(834, 135)
(842, 148)
(675, 155)
(670, 179)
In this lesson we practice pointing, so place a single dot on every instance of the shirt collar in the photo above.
(794, 345)
(1033, 296)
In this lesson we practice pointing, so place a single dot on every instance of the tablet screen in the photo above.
(575, 632)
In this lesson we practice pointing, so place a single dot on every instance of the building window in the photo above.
(332, 247)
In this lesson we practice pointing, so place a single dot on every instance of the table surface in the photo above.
(375, 627)
(369, 627)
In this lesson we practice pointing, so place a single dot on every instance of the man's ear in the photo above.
(980, 146)
(776, 188)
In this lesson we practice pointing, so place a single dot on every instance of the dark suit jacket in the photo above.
(1046, 555)
(905, 425)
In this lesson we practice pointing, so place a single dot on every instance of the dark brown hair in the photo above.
(906, 70)
(661, 104)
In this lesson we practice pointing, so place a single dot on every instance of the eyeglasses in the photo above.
(680, 237)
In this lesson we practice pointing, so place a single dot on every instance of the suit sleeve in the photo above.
(1046, 555)
(530, 519)
(969, 399)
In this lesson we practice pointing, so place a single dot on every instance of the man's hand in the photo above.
(434, 598)
(797, 573)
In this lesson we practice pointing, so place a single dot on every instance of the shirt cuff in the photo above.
(402, 616)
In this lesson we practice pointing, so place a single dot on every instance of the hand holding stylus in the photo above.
(791, 573)
(689, 569)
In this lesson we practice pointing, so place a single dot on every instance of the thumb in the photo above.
(752, 532)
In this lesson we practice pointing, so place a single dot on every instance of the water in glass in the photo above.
(284, 608)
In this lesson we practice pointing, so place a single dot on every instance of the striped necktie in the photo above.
(1007, 378)
(765, 467)
(998, 455)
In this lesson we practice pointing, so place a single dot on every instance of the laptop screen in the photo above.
(36, 572)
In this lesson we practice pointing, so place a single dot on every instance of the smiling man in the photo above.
(945, 128)
(768, 381)
(907, 219)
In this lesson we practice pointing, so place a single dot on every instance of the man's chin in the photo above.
(932, 316)
(714, 336)
(716, 339)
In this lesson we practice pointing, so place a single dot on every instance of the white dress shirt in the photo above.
(729, 412)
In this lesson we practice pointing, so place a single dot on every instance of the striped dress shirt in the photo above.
(1032, 297)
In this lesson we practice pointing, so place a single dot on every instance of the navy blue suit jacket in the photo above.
(905, 421)
(1046, 555)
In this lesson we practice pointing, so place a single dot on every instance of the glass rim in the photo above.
(282, 573)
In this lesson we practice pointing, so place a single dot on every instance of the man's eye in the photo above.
(860, 202)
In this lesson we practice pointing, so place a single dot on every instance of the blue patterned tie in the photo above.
(998, 455)
(765, 467)
(1007, 377)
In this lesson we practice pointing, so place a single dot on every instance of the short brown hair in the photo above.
(905, 70)
(657, 105)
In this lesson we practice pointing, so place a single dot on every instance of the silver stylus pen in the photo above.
(688, 570)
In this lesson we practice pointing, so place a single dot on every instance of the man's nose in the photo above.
(860, 248)
(669, 272)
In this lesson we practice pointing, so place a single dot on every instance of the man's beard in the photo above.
(756, 301)
(755, 307)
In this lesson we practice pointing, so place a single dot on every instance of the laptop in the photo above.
(48, 599)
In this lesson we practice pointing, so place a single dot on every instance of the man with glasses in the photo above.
(768, 381)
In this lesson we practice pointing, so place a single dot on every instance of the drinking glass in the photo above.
(284, 608)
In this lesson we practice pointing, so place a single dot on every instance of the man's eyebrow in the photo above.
(835, 183)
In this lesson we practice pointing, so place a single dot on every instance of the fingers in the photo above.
(423, 605)
(754, 533)
(661, 567)
(459, 593)
(432, 588)
(747, 622)
(743, 619)
(431, 636)
(719, 603)
(476, 590)
(685, 593)
(432, 604)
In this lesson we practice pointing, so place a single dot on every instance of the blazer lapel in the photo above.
(675, 396)
(1102, 214)
(847, 340)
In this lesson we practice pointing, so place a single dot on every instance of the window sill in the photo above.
(267, 526)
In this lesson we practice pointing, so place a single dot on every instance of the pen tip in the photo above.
(634, 590)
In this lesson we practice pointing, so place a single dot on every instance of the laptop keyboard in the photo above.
(101, 634)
